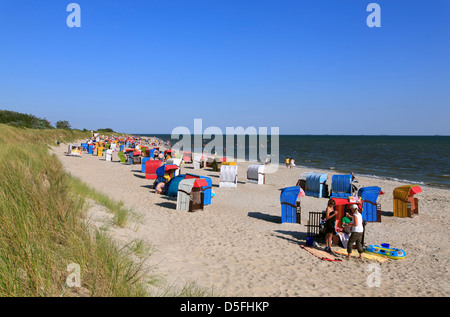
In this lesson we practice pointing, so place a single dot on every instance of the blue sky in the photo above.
(307, 67)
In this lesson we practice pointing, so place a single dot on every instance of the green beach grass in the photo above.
(42, 226)
(121, 214)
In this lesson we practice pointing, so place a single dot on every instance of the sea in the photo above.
(419, 160)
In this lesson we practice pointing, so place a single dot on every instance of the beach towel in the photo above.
(323, 255)
(344, 238)
(365, 255)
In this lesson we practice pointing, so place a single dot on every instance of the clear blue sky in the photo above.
(308, 67)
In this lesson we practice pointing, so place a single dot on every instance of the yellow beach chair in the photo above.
(405, 205)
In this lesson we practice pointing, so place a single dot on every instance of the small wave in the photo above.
(405, 180)
(437, 185)
(391, 178)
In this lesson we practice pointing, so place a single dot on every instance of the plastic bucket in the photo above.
(385, 245)
(309, 242)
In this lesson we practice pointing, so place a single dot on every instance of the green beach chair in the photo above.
(122, 157)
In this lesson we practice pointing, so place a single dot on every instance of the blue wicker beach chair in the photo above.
(171, 188)
(341, 186)
(143, 161)
(315, 185)
(290, 207)
(371, 211)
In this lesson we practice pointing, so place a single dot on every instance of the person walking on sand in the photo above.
(330, 219)
(287, 162)
(357, 231)
(292, 162)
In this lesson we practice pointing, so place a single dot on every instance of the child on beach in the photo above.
(292, 162)
(161, 157)
(287, 162)
(160, 187)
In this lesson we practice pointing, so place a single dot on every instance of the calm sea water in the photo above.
(415, 159)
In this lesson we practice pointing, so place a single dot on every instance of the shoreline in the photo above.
(387, 178)
(342, 172)
(238, 246)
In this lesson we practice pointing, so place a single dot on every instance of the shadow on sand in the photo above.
(265, 217)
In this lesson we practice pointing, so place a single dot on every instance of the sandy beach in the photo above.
(238, 246)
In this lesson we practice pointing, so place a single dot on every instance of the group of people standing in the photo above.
(355, 227)
(290, 162)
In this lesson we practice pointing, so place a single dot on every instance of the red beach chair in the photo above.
(150, 168)
(187, 157)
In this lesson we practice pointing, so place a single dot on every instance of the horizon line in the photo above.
(287, 134)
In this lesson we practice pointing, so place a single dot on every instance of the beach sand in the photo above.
(238, 246)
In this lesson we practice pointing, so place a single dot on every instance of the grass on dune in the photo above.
(121, 214)
(42, 228)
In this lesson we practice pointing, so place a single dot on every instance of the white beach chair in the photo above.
(74, 150)
(184, 194)
(108, 156)
(228, 176)
(197, 161)
(177, 162)
(255, 174)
